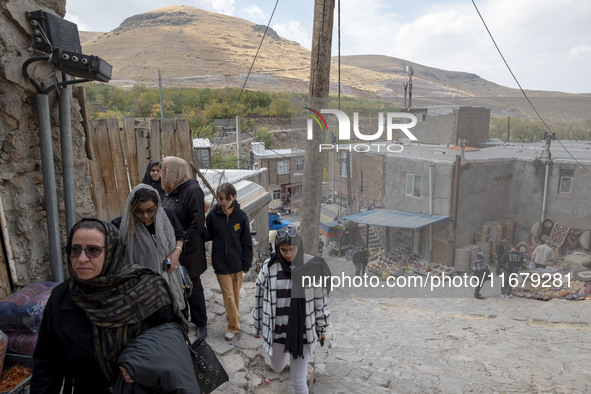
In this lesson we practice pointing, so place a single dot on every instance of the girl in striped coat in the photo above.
(290, 320)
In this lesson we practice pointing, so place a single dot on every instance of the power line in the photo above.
(523, 91)
(244, 84)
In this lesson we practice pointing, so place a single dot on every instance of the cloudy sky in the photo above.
(546, 43)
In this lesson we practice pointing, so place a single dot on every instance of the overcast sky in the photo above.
(546, 43)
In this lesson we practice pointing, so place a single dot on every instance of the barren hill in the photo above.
(196, 48)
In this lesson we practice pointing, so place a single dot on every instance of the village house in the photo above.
(430, 214)
(202, 152)
(285, 170)
(517, 181)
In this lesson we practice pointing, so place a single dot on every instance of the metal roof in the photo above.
(250, 195)
(201, 143)
(491, 151)
(399, 219)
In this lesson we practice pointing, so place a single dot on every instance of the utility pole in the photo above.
(160, 89)
(508, 128)
(318, 98)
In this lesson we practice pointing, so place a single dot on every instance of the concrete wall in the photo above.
(473, 125)
(484, 192)
(21, 177)
(527, 191)
(445, 125)
(395, 185)
(438, 129)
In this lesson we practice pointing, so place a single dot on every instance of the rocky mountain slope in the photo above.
(196, 48)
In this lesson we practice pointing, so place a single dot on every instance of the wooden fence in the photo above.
(119, 156)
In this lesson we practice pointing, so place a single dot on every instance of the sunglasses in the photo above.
(91, 251)
(149, 211)
(292, 232)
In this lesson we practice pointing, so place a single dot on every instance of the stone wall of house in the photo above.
(21, 175)
(527, 194)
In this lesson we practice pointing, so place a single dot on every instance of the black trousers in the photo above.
(482, 277)
(197, 303)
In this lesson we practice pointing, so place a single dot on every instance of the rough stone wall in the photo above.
(21, 175)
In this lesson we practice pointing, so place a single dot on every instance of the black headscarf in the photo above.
(118, 300)
(149, 181)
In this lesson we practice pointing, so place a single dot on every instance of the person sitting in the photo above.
(90, 317)
(543, 254)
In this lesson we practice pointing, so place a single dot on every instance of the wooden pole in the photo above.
(318, 97)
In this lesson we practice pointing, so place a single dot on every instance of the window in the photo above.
(283, 167)
(299, 166)
(413, 185)
(276, 194)
(344, 161)
(565, 185)
(361, 181)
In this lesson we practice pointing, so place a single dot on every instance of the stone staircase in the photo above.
(375, 242)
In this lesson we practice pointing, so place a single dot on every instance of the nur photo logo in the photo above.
(393, 121)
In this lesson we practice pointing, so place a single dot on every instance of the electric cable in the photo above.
(523, 91)
(244, 84)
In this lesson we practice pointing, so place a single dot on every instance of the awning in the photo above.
(329, 225)
(399, 219)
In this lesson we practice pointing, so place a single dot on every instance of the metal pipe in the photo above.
(47, 163)
(454, 210)
(545, 192)
(238, 144)
(67, 155)
(431, 210)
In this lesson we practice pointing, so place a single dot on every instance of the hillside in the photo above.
(196, 48)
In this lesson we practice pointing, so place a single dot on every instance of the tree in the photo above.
(262, 134)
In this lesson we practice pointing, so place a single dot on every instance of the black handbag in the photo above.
(187, 283)
(209, 371)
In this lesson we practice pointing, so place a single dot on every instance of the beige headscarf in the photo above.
(174, 172)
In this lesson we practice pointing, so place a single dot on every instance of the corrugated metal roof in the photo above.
(399, 219)
(250, 195)
(201, 143)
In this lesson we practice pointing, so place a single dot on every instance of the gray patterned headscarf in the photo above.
(146, 251)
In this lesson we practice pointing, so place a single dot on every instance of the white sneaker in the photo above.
(509, 296)
(503, 296)
(229, 336)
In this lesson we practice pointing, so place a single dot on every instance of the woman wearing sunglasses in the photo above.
(153, 237)
(289, 318)
(90, 317)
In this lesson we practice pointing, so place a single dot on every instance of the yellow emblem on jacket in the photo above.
(237, 227)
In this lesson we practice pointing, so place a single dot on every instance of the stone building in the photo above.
(23, 211)
(285, 171)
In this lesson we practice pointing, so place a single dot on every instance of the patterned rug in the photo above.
(558, 235)
(572, 239)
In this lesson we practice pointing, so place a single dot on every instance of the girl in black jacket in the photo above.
(231, 254)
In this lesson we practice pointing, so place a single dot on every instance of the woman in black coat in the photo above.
(84, 326)
(185, 198)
